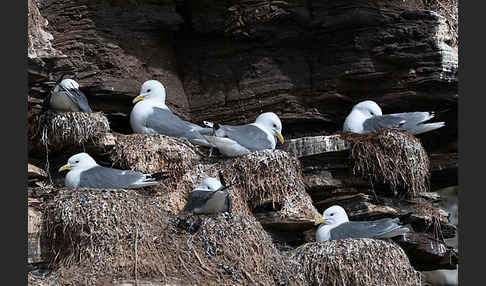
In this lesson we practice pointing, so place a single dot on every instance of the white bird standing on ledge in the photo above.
(150, 115)
(237, 140)
(366, 117)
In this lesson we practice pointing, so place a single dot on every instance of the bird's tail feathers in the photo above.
(422, 128)
(396, 232)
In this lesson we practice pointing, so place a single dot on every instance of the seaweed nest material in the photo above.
(391, 157)
(353, 262)
(54, 131)
(115, 235)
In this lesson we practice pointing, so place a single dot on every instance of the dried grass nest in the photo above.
(150, 153)
(115, 235)
(353, 262)
(270, 177)
(391, 157)
(58, 130)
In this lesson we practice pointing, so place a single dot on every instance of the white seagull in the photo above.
(209, 197)
(150, 115)
(366, 116)
(84, 172)
(66, 96)
(236, 140)
(335, 224)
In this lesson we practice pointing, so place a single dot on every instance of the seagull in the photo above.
(84, 172)
(335, 224)
(150, 115)
(236, 140)
(366, 116)
(66, 96)
(209, 197)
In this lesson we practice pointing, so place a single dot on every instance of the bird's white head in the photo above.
(68, 84)
(209, 184)
(271, 122)
(151, 90)
(368, 107)
(334, 215)
(81, 161)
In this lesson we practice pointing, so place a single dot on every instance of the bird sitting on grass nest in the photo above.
(211, 196)
(238, 140)
(84, 172)
(335, 224)
(66, 97)
(150, 115)
(366, 117)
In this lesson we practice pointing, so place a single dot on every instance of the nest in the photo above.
(52, 131)
(391, 157)
(270, 177)
(353, 262)
(114, 235)
(269, 180)
(150, 153)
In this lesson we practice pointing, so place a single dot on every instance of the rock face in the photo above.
(227, 61)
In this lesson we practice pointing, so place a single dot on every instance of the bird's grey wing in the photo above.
(163, 121)
(197, 199)
(103, 177)
(403, 121)
(383, 121)
(248, 136)
(363, 229)
(78, 97)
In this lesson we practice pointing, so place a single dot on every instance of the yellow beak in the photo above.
(65, 167)
(319, 221)
(138, 98)
(279, 136)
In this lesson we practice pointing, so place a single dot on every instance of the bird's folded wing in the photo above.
(78, 98)
(197, 199)
(103, 177)
(363, 229)
(163, 121)
(405, 120)
(248, 136)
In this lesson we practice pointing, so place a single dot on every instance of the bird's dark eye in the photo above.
(148, 90)
(331, 214)
(274, 125)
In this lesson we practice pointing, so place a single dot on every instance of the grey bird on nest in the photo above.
(150, 115)
(367, 116)
(237, 140)
(66, 97)
(335, 224)
(84, 172)
(210, 197)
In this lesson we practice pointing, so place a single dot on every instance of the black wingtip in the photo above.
(216, 126)
(405, 218)
(61, 78)
(159, 175)
(221, 179)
